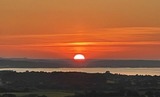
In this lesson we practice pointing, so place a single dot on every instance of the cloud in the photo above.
(109, 35)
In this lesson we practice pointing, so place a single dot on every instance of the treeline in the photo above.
(11, 81)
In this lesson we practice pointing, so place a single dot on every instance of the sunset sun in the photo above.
(79, 57)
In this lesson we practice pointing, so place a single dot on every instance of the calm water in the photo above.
(128, 71)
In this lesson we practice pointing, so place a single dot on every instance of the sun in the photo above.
(79, 57)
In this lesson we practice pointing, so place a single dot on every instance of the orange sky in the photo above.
(111, 29)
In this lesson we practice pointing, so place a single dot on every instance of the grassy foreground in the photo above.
(47, 93)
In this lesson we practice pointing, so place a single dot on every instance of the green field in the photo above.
(47, 93)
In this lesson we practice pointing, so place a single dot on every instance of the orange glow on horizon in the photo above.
(96, 28)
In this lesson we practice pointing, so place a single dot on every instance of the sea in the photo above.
(124, 71)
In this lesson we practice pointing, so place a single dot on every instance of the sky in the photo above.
(99, 29)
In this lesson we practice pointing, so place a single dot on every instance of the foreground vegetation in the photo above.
(37, 94)
(77, 84)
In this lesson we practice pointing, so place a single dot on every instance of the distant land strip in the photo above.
(66, 63)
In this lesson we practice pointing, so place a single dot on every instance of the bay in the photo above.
(126, 71)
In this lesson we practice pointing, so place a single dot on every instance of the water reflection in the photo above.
(128, 71)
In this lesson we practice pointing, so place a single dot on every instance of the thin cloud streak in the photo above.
(130, 34)
(89, 44)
